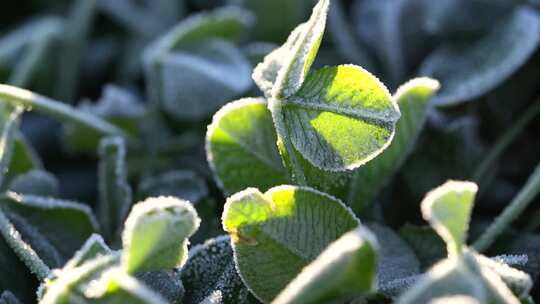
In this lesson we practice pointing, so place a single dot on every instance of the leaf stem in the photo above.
(503, 143)
(298, 175)
(29, 100)
(511, 212)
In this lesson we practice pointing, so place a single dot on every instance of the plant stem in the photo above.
(29, 100)
(503, 142)
(511, 212)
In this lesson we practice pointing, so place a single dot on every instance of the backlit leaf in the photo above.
(347, 268)
(276, 234)
(156, 232)
(242, 136)
(448, 210)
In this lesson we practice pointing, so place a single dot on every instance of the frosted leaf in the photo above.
(178, 183)
(9, 124)
(448, 277)
(8, 298)
(518, 281)
(275, 234)
(303, 45)
(93, 247)
(115, 286)
(54, 227)
(229, 23)
(492, 59)
(165, 282)
(413, 100)
(24, 157)
(36, 182)
(156, 232)
(116, 105)
(341, 118)
(448, 210)
(186, 76)
(242, 136)
(210, 275)
(396, 260)
(115, 195)
(347, 268)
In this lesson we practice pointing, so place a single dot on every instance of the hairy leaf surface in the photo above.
(347, 268)
(275, 234)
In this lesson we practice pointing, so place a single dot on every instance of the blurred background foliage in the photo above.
(159, 69)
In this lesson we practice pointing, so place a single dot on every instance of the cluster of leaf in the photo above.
(324, 169)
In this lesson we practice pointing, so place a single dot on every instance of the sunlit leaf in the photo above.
(347, 268)
(242, 136)
(276, 234)
(156, 232)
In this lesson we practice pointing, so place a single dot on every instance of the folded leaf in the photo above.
(156, 232)
(242, 136)
(275, 234)
(448, 210)
(341, 118)
(413, 101)
(36, 182)
(115, 195)
(181, 184)
(93, 247)
(469, 71)
(24, 157)
(210, 273)
(347, 268)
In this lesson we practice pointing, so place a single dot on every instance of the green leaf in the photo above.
(8, 298)
(242, 136)
(341, 118)
(115, 286)
(449, 277)
(178, 183)
(9, 124)
(14, 259)
(519, 282)
(448, 210)
(42, 223)
(72, 286)
(413, 100)
(347, 268)
(276, 234)
(229, 23)
(167, 283)
(31, 101)
(36, 182)
(426, 244)
(396, 259)
(210, 273)
(469, 71)
(116, 105)
(184, 78)
(93, 247)
(115, 196)
(24, 158)
(283, 71)
(156, 232)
